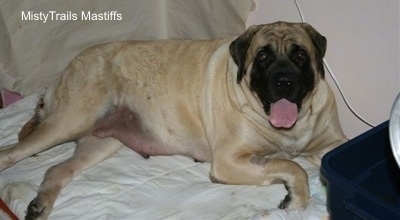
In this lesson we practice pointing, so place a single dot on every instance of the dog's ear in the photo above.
(319, 42)
(239, 48)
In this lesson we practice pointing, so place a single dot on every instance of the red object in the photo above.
(4, 210)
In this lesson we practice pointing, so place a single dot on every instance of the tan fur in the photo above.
(190, 103)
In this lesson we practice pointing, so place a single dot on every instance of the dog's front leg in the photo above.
(250, 169)
(90, 151)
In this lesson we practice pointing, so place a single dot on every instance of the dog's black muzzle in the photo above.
(281, 79)
(284, 82)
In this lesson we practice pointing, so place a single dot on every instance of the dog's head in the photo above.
(284, 61)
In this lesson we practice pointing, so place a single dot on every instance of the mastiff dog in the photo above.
(246, 105)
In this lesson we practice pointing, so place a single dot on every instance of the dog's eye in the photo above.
(301, 55)
(262, 55)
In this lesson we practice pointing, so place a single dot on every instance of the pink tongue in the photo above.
(283, 114)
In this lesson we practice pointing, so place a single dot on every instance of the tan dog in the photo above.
(248, 106)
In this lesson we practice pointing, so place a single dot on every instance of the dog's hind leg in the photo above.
(71, 107)
(64, 123)
(90, 151)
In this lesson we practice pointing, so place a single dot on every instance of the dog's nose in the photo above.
(284, 83)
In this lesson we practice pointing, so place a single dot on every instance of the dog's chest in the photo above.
(294, 145)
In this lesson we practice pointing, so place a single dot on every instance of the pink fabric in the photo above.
(9, 97)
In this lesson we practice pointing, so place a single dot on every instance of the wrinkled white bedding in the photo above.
(127, 186)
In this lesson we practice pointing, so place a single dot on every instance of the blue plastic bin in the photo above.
(363, 179)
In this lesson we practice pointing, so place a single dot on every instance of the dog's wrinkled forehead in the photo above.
(280, 36)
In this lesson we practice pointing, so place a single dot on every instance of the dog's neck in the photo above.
(245, 97)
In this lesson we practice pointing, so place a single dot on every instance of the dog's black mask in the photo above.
(282, 72)
(275, 76)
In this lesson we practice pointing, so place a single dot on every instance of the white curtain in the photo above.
(33, 51)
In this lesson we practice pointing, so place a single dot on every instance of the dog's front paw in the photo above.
(285, 202)
(297, 200)
(293, 204)
(35, 211)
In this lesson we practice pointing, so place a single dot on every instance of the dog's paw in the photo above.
(285, 202)
(292, 203)
(295, 201)
(35, 211)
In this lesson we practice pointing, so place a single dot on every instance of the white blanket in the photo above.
(127, 186)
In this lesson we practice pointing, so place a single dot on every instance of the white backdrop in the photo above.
(33, 52)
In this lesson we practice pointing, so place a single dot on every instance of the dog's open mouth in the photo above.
(283, 113)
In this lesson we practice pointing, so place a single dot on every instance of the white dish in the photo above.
(394, 129)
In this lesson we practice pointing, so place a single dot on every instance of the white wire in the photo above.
(335, 79)
(344, 96)
(300, 11)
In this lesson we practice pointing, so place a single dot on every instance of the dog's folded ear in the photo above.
(238, 50)
(320, 44)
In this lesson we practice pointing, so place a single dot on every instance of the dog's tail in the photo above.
(33, 122)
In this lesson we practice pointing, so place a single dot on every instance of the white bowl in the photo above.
(394, 129)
